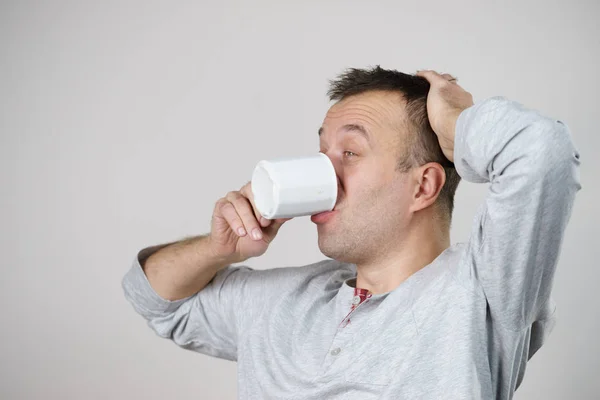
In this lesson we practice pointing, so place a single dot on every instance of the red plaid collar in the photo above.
(360, 295)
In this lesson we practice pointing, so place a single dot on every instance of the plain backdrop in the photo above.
(122, 123)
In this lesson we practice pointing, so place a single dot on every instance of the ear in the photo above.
(428, 181)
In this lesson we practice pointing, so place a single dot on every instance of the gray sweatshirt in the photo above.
(462, 327)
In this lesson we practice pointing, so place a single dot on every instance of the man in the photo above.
(396, 312)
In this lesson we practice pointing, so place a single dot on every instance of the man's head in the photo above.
(392, 173)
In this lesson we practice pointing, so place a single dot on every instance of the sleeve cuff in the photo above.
(465, 139)
(140, 293)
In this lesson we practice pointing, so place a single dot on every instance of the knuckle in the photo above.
(232, 195)
(240, 202)
(225, 208)
(220, 203)
(246, 189)
(446, 87)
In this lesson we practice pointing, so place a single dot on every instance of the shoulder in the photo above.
(326, 274)
(448, 272)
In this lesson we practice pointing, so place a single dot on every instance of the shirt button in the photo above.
(335, 351)
(356, 300)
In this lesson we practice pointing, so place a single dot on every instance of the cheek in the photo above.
(358, 180)
(372, 182)
(400, 195)
(391, 191)
(365, 191)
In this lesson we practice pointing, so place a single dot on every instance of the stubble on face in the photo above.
(370, 215)
(360, 230)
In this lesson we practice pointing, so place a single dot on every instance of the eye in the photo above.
(349, 154)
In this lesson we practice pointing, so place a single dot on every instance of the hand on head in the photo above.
(445, 101)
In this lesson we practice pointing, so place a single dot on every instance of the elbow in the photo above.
(553, 155)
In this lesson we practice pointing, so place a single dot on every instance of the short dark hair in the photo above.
(424, 143)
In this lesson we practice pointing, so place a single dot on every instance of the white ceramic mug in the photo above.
(292, 187)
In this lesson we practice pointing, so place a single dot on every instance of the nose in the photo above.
(338, 171)
(335, 164)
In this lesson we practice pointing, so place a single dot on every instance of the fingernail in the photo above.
(257, 234)
(241, 231)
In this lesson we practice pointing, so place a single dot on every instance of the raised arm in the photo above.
(532, 167)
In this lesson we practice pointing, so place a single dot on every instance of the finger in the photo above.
(272, 230)
(450, 78)
(432, 76)
(246, 191)
(244, 209)
(228, 212)
(281, 221)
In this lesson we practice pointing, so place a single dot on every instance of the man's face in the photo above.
(364, 136)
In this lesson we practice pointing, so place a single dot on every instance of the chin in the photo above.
(326, 246)
(331, 246)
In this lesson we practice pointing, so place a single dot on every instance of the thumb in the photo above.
(274, 226)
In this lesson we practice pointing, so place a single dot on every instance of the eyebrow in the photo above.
(353, 128)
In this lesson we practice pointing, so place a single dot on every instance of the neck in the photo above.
(423, 243)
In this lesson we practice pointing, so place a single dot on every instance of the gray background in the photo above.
(123, 122)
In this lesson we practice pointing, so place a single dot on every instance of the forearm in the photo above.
(182, 268)
(532, 166)
(502, 138)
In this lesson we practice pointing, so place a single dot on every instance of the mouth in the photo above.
(323, 217)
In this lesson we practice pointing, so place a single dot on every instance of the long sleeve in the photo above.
(206, 322)
(214, 320)
(532, 167)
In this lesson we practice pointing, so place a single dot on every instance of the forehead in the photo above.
(378, 111)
